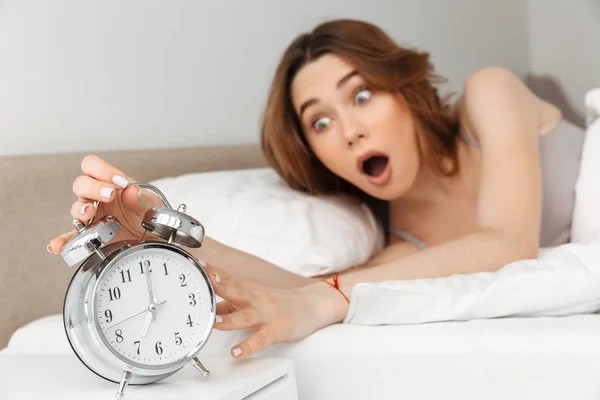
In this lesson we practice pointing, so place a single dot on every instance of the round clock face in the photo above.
(153, 306)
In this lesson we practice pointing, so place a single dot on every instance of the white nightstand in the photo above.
(65, 377)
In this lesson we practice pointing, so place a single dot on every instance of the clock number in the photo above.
(189, 320)
(128, 276)
(137, 342)
(165, 265)
(115, 294)
(119, 334)
(108, 315)
(178, 340)
(182, 279)
(146, 263)
(158, 349)
(192, 299)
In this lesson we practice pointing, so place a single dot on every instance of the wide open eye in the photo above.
(362, 96)
(321, 124)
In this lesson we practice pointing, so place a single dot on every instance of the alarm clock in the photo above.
(137, 311)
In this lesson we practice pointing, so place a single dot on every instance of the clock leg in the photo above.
(198, 365)
(124, 381)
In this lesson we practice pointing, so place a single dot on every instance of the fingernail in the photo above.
(106, 192)
(83, 209)
(236, 352)
(120, 181)
(217, 278)
(202, 262)
(48, 248)
(139, 194)
(219, 319)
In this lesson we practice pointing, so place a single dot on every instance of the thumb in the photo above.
(138, 200)
(130, 198)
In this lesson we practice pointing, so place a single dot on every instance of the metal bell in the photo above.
(174, 226)
(89, 239)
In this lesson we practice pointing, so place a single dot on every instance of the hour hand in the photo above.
(149, 317)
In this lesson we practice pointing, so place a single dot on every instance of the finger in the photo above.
(229, 289)
(241, 319)
(56, 245)
(139, 200)
(101, 170)
(90, 188)
(256, 342)
(85, 199)
(225, 307)
(213, 271)
(132, 199)
(82, 210)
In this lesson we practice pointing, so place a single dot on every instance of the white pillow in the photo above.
(586, 212)
(254, 210)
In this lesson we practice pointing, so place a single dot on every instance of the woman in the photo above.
(458, 188)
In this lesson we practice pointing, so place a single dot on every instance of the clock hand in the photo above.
(153, 300)
(126, 319)
(133, 316)
(149, 318)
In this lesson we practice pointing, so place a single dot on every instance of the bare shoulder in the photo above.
(482, 82)
(491, 81)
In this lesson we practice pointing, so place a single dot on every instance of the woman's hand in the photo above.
(105, 183)
(275, 315)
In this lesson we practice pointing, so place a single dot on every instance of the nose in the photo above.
(354, 130)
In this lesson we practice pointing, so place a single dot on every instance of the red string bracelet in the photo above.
(336, 285)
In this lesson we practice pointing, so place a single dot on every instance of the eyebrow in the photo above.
(340, 83)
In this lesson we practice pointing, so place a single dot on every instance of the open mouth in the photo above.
(375, 165)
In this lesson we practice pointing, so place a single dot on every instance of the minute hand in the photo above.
(150, 291)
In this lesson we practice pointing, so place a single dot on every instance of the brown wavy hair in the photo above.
(385, 66)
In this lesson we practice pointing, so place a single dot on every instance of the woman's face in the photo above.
(366, 137)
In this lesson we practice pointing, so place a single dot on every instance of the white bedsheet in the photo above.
(508, 358)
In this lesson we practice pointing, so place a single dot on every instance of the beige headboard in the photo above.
(36, 196)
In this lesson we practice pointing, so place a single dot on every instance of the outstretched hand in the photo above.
(276, 315)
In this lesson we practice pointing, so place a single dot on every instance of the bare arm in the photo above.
(390, 253)
(248, 267)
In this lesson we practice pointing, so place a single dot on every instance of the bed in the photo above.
(517, 358)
